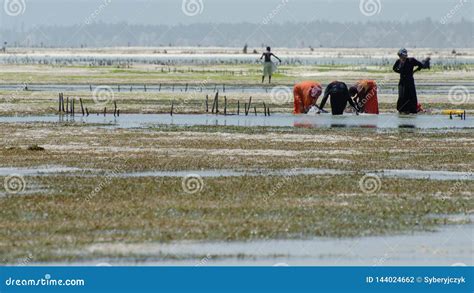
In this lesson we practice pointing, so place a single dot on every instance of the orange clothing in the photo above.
(302, 96)
(367, 93)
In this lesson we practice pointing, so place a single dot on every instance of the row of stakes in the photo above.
(462, 115)
(215, 107)
(68, 107)
(186, 88)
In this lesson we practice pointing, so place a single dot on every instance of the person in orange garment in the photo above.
(364, 93)
(306, 94)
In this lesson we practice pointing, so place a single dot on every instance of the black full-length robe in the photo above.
(407, 99)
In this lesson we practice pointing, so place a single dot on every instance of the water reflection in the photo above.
(383, 121)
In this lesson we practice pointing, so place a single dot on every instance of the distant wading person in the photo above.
(407, 98)
(340, 96)
(364, 93)
(305, 95)
(268, 66)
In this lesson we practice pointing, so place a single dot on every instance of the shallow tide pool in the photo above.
(383, 121)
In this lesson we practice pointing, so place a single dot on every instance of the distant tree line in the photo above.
(424, 33)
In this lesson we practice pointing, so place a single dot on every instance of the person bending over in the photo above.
(305, 95)
(364, 93)
(340, 96)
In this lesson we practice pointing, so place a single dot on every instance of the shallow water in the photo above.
(35, 171)
(428, 174)
(450, 245)
(383, 121)
(199, 90)
(406, 174)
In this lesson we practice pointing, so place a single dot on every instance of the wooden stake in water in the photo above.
(115, 108)
(207, 104)
(247, 107)
(82, 107)
(87, 112)
(265, 109)
(225, 105)
(172, 108)
(67, 105)
(105, 111)
(215, 105)
(62, 102)
(59, 103)
(238, 107)
(255, 110)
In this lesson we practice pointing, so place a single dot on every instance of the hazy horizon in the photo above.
(291, 23)
(170, 12)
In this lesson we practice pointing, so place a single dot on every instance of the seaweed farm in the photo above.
(171, 156)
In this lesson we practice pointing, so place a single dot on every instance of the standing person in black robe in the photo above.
(407, 99)
(340, 96)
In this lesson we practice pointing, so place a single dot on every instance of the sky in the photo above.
(172, 12)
